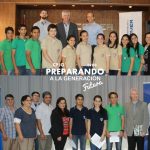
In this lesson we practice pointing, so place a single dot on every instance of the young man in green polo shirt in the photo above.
(5, 52)
(33, 53)
(18, 51)
(115, 123)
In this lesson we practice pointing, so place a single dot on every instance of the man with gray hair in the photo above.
(66, 28)
(136, 121)
(43, 113)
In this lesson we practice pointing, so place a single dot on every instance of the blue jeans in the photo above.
(28, 72)
(36, 142)
(93, 147)
(82, 139)
(22, 70)
(118, 144)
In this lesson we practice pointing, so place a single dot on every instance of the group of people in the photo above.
(58, 46)
(35, 125)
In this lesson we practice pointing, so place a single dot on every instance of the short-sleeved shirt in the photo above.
(126, 61)
(79, 119)
(100, 54)
(115, 114)
(70, 55)
(35, 49)
(54, 49)
(137, 60)
(7, 118)
(43, 28)
(6, 48)
(114, 60)
(97, 121)
(84, 51)
(18, 45)
(27, 122)
(43, 113)
(93, 30)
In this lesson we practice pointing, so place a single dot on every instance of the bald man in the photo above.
(136, 121)
(66, 28)
(43, 24)
(92, 28)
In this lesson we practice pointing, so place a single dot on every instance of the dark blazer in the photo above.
(147, 61)
(57, 122)
(61, 35)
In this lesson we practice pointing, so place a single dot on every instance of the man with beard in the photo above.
(43, 24)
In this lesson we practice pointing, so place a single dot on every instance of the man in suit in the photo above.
(66, 28)
(136, 121)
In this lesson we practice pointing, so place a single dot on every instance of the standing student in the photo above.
(7, 124)
(69, 54)
(18, 51)
(101, 54)
(35, 97)
(115, 54)
(147, 54)
(51, 49)
(33, 53)
(25, 122)
(115, 123)
(136, 121)
(83, 52)
(60, 124)
(5, 52)
(66, 28)
(43, 113)
(139, 52)
(78, 122)
(128, 56)
(97, 121)
(43, 24)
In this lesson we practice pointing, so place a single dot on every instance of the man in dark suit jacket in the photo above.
(66, 28)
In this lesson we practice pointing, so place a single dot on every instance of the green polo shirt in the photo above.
(114, 117)
(19, 45)
(34, 47)
(6, 47)
(137, 60)
(126, 61)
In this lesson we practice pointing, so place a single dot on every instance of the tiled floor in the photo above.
(124, 146)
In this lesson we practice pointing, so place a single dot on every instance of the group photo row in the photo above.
(60, 49)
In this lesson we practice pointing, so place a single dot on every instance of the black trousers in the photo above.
(135, 140)
(149, 139)
(59, 145)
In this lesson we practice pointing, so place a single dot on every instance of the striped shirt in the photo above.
(7, 118)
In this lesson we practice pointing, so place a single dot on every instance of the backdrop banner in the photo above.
(130, 22)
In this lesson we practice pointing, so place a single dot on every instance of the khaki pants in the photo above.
(26, 144)
(45, 144)
(10, 144)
